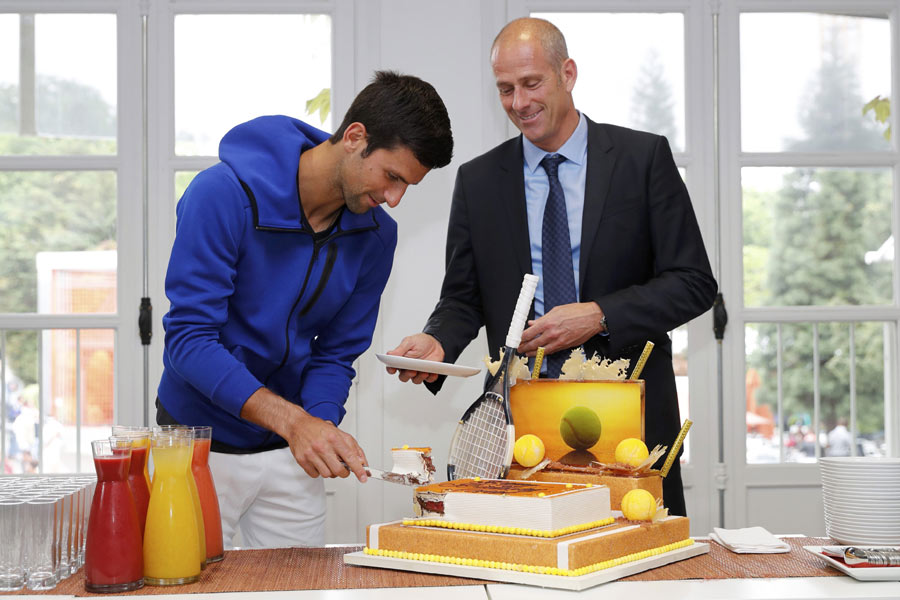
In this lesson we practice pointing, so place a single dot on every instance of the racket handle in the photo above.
(520, 314)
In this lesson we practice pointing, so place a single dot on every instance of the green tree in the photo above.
(652, 100)
(823, 221)
(51, 210)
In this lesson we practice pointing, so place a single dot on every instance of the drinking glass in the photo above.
(41, 514)
(12, 548)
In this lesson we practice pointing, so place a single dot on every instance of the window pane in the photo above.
(630, 68)
(57, 84)
(805, 79)
(182, 180)
(78, 372)
(798, 428)
(23, 393)
(817, 236)
(58, 242)
(280, 63)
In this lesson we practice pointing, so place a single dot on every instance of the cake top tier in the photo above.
(504, 487)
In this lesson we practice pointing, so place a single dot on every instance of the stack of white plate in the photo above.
(862, 499)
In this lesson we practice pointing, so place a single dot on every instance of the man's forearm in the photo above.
(267, 409)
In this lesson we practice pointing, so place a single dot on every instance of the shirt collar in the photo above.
(575, 148)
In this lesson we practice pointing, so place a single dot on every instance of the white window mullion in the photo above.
(779, 369)
(3, 369)
(78, 400)
(816, 391)
(852, 339)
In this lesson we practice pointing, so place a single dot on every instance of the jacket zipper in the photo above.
(287, 325)
(323, 280)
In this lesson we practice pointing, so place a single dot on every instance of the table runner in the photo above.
(324, 568)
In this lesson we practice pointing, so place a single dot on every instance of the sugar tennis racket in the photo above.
(482, 445)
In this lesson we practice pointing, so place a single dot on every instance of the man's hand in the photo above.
(420, 345)
(317, 445)
(565, 326)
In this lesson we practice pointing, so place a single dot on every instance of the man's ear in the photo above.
(569, 74)
(355, 137)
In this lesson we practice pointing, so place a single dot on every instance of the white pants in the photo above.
(270, 497)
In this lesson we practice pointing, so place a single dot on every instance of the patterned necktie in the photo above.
(556, 254)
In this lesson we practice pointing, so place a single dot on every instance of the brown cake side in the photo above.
(584, 549)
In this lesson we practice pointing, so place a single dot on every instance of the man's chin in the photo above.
(357, 208)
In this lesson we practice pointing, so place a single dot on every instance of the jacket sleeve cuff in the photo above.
(327, 411)
(234, 389)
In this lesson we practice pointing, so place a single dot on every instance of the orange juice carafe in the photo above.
(209, 502)
(172, 534)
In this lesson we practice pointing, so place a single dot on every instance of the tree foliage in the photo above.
(822, 223)
(51, 210)
(652, 100)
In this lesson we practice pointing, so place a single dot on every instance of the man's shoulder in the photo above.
(503, 153)
(618, 135)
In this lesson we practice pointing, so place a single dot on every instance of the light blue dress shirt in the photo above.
(572, 174)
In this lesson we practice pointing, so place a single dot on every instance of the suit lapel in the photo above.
(512, 200)
(600, 162)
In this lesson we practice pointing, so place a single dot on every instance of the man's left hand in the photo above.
(565, 326)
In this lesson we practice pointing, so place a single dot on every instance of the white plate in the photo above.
(861, 573)
(427, 366)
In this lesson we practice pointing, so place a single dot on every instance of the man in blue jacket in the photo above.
(281, 253)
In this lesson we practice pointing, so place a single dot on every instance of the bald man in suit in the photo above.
(639, 268)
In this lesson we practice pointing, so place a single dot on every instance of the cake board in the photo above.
(563, 582)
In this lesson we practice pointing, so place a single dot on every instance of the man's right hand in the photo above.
(420, 345)
(317, 445)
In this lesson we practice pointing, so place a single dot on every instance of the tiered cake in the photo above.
(547, 528)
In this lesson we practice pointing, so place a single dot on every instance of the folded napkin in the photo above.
(750, 540)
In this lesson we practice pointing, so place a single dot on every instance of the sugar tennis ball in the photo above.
(631, 451)
(638, 505)
(580, 427)
(529, 450)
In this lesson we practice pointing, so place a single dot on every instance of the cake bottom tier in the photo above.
(577, 551)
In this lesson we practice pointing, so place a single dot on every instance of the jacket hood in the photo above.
(264, 154)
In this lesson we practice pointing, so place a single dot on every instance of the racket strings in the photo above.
(482, 444)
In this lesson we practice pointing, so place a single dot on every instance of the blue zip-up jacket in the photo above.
(255, 299)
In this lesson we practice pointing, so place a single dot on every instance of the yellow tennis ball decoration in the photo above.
(580, 427)
(632, 452)
(638, 505)
(529, 450)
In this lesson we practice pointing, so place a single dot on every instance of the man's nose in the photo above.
(520, 99)
(394, 194)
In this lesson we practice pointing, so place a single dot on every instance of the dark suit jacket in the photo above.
(642, 257)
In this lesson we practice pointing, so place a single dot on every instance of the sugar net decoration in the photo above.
(481, 445)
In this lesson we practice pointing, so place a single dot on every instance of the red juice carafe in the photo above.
(113, 559)
(209, 502)
(137, 474)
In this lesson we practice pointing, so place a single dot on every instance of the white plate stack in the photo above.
(862, 499)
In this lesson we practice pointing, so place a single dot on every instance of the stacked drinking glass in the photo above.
(43, 520)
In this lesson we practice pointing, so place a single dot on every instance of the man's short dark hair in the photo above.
(402, 110)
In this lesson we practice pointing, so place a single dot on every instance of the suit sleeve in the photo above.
(682, 285)
(458, 315)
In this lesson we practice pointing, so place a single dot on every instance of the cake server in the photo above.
(413, 479)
